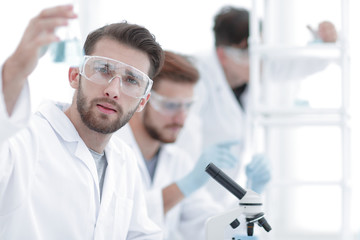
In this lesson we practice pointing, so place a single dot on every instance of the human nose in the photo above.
(113, 88)
(180, 116)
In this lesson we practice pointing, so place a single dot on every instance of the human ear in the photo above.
(220, 51)
(143, 102)
(74, 77)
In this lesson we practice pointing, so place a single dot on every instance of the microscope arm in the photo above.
(250, 205)
(215, 225)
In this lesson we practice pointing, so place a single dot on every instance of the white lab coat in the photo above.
(221, 119)
(219, 116)
(49, 185)
(187, 219)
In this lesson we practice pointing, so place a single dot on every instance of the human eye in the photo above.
(103, 69)
(188, 104)
(132, 78)
(171, 105)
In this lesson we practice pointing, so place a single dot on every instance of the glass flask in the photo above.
(69, 49)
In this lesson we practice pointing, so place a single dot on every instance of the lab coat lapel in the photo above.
(110, 179)
(127, 135)
(164, 154)
(54, 114)
(82, 152)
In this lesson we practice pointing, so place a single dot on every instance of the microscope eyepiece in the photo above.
(225, 181)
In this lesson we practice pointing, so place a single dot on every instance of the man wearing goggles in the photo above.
(62, 174)
(174, 195)
(103, 71)
(120, 83)
(169, 106)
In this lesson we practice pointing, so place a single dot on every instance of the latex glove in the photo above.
(258, 173)
(327, 32)
(219, 155)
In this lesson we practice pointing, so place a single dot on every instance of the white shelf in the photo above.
(318, 50)
(299, 111)
(281, 122)
(301, 116)
(292, 183)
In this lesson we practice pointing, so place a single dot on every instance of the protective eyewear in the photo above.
(102, 70)
(169, 106)
(237, 54)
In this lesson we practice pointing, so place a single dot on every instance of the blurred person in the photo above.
(221, 112)
(174, 183)
(62, 175)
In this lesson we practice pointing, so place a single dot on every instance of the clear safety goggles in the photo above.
(102, 70)
(237, 54)
(169, 106)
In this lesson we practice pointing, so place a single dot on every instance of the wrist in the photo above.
(12, 76)
(185, 185)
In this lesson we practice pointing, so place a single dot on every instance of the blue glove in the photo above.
(258, 173)
(219, 155)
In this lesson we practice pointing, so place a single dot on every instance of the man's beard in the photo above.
(101, 124)
(155, 133)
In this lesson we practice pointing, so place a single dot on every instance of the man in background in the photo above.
(174, 195)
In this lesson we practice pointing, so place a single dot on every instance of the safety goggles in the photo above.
(169, 106)
(237, 54)
(102, 70)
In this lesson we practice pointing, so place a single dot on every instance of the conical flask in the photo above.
(69, 49)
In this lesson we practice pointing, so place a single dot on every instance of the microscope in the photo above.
(250, 205)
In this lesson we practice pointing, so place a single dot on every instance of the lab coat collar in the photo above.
(54, 113)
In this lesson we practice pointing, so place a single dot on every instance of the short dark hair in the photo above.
(177, 68)
(132, 35)
(231, 26)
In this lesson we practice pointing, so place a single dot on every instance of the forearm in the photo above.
(171, 196)
(12, 84)
(39, 33)
(18, 117)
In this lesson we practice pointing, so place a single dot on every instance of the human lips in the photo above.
(106, 108)
(175, 127)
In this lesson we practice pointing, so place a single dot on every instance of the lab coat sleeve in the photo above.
(142, 227)
(15, 142)
(196, 209)
(201, 91)
(193, 128)
(11, 124)
(155, 205)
